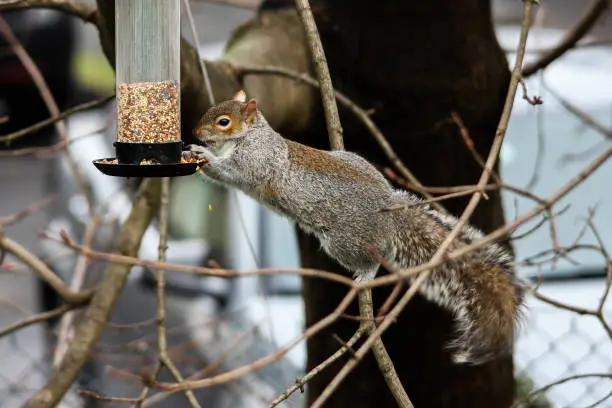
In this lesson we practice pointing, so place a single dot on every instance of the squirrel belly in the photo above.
(338, 197)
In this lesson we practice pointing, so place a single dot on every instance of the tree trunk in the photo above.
(413, 62)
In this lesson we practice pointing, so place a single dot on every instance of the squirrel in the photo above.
(344, 201)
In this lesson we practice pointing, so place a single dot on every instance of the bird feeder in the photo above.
(147, 44)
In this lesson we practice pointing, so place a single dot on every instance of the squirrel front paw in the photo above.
(199, 152)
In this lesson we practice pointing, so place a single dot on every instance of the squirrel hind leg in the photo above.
(365, 275)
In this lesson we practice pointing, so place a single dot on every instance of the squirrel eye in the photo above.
(223, 122)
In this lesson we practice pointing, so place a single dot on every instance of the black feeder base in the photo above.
(129, 156)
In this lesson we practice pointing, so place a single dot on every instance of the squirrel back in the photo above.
(340, 198)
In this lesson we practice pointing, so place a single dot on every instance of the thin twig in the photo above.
(43, 88)
(196, 40)
(433, 200)
(536, 100)
(212, 367)
(162, 346)
(532, 394)
(45, 151)
(27, 211)
(583, 116)
(360, 353)
(66, 330)
(301, 382)
(467, 140)
(39, 268)
(262, 362)
(50, 121)
(332, 118)
(96, 396)
(89, 330)
(161, 296)
(218, 272)
(37, 318)
(501, 231)
(583, 26)
(383, 359)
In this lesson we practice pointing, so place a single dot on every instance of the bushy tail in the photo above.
(487, 314)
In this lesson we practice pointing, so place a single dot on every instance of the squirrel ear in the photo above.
(249, 111)
(240, 96)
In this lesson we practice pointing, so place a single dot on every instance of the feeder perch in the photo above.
(147, 43)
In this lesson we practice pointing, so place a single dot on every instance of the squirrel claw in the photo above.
(196, 148)
(189, 155)
(197, 151)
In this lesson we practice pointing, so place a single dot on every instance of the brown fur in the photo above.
(233, 109)
(318, 161)
(497, 293)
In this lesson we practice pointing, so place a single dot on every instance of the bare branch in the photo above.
(584, 25)
(219, 272)
(164, 358)
(583, 116)
(45, 93)
(385, 363)
(30, 209)
(196, 40)
(536, 100)
(37, 318)
(44, 123)
(501, 231)
(66, 330)
(38, 267)
(256, 365)
(554, 384)
(301, 382)
(99, 397)
(87, 333)
(332, 118)
(85, 12)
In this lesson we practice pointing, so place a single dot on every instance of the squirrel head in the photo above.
(228, 120)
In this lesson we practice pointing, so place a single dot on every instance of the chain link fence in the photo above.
(553, 344)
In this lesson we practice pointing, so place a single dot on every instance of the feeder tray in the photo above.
(145, 170)
(147, 160)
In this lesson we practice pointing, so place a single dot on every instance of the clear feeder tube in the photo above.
(148, 71)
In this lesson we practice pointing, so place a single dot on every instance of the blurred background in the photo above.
(546, 145)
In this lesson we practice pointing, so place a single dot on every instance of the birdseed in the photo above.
(148, 112)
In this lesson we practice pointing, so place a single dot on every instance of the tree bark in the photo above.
(413, 62)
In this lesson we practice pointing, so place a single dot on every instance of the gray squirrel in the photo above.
(340, 198)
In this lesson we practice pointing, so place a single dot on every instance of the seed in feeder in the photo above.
(148, 112)
(149, 161)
